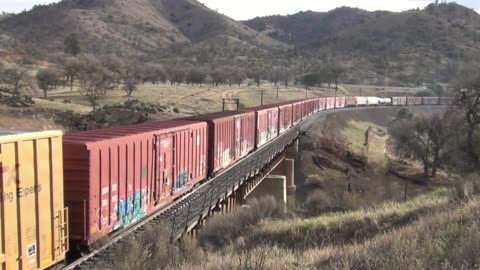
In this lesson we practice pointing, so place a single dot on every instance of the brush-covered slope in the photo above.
(128, 26)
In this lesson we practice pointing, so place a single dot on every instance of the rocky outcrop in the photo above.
(16, 101)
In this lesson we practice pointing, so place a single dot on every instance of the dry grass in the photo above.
(448, 240)
(430, 232)
(339, 229)
(223, 230)
(435, 231)
(153, 250)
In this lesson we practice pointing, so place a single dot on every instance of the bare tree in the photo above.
(429, 139)
(238, 76)
(154, 73)
(285, 76)
(46, 78)
(196, 76)
(71, 66)
(16, 78)
(332, 74)
(219, 76)
(275, 76)
(256, 73)
(176, 73)
(115, 65)
(467, 87)
(95, 80)
(132, 76)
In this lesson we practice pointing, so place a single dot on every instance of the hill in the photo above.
(408, 46)
(382, 48)
(133, 27)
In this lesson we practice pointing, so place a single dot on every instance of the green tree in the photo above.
(72, 44)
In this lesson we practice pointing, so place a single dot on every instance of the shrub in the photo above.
(222, 230)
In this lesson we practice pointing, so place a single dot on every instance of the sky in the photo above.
(247, 9)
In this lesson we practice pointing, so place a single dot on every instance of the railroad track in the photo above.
(193, 207)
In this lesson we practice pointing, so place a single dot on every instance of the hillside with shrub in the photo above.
(384, 47)
(142, 28)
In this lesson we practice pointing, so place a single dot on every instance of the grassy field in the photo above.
(188, 99)
(180, 100)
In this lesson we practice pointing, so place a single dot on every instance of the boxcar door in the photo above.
(238, 137)
(166, 163)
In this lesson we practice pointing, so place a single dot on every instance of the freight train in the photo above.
(81, 187)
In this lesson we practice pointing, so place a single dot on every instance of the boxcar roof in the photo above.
(216, 115)
(99, 135)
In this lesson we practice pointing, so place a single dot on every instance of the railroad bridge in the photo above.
(267, 171)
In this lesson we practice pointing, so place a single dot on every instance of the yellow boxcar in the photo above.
(33, 218)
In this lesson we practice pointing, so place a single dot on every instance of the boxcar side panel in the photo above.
(34, 232)
(414, 101)
(350, 102)
(447, 101)
(340, 102)
(399, 101)
(285, 117)
(430, 100)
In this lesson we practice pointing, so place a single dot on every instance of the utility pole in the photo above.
(277, 91)
(306, 92)
(261, 98)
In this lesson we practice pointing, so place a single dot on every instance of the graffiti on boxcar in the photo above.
(182, 180)
(262, 137)
(130, 210)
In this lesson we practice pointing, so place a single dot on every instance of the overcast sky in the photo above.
(247, 9)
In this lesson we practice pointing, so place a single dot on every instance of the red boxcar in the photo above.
(323, 103)
(297, 111)
(304, 109)
(312, 106)
(114, 177)
(414, 100)
(447, 101)
(267, 123)
(330, 103)
(350, 102)
(317, 104)
(340, 102)
(285, 117)
(430, 100)
(399, 101)
(231, 137)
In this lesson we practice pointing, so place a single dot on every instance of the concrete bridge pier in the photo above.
(273, 185)
(280, 182)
